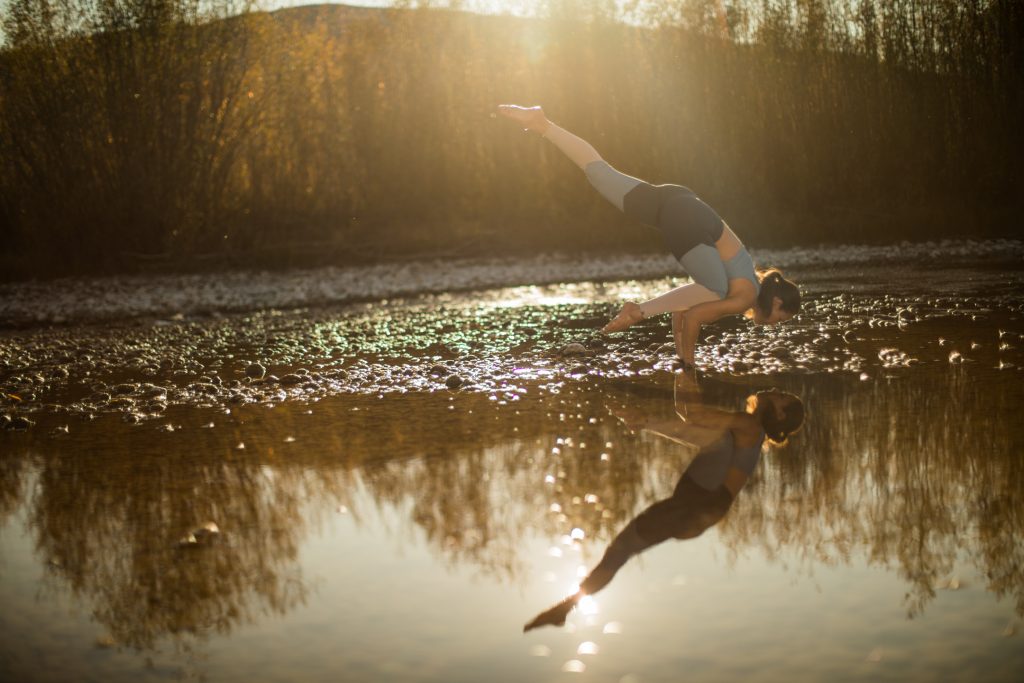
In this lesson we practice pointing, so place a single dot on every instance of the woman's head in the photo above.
(778, 300)
(780, 413)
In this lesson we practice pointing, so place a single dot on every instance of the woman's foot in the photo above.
(531, 118)
(630, 315)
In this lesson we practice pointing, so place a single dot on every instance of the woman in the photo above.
(724, 280)
(729, 449)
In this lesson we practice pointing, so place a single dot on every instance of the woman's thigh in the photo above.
(704, 265)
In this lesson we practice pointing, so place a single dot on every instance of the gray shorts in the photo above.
(689, 227)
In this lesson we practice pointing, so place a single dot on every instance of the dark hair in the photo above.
(778, 430)
(773, 284)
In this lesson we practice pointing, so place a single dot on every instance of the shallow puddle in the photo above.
(392, 490)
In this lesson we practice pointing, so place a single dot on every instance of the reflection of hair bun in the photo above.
(778, 430)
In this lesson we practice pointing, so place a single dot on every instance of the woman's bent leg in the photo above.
(704, 267)
(678, 299)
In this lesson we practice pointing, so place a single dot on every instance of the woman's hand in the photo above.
(686, 327)
(530, 118)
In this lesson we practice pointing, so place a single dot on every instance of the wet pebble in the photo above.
(573, 349)
(640, 364)
(20, 423)
(905, 316)
(255, 371)
(151, 391)
(453, 382)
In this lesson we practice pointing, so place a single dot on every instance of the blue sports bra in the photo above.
(709, 469)
(742, 266)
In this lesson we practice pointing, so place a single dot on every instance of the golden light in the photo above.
(588, 606)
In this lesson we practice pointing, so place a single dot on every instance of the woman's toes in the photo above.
(618, 323)
(630, 314)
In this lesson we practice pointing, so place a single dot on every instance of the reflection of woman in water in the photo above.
(730, 448)
(724, 280)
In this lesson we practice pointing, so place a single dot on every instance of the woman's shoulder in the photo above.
(747, 431)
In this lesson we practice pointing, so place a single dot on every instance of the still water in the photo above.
(308, 494)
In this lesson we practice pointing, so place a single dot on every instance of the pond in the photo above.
(390, 490)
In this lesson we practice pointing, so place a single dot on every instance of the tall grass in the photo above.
(175, 132)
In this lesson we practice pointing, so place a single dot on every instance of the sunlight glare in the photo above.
(574, 666)
(588, 605)
(612, 627)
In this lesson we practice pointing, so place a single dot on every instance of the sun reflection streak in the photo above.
(588, 605)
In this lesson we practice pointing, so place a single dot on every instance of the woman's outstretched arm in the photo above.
(702, 314)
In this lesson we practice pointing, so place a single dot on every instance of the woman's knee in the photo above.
(613, 185)
(705, 267)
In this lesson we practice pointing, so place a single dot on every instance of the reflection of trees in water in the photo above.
(110, 503)
(12, 483)
(478, 485)
(911, 475)
(914, 476)
(108, 520)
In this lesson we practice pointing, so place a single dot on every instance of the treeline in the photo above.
(175, 133)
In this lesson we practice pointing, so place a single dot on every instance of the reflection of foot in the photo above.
(554, 616)
(630, 315)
